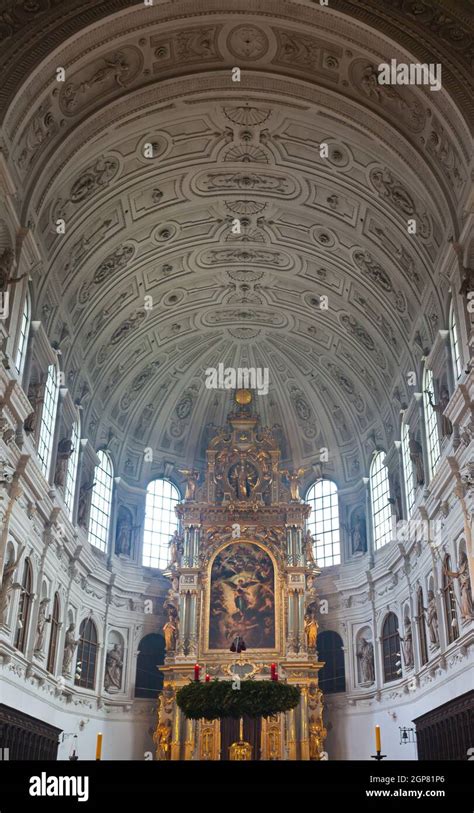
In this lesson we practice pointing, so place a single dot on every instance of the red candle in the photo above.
(196, 671)
(208, 677)
(273, 674)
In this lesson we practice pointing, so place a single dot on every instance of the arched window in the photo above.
(24, 607)
(408, 469)
(151, 653)
(71, 473)
(449, 601)
(101, 502)
(331, 678)
(431, 422)
(391, 648)
(48, 419)
(23, 337)
(420, 611)
(53, 639)
(380, 494)
(160, 522)
(323, 522)
(455, 344)
(86, 655)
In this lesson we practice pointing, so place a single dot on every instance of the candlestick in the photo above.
(197, 669)
(98, 749)
(378, 739)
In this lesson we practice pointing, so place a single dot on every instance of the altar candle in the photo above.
(273, 671)
(378, 742)
(98, 749)
(196, 671)
(208, 677)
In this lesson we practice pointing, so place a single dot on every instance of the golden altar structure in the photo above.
(242, 568)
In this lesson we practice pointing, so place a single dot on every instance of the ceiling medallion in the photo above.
(247, 41)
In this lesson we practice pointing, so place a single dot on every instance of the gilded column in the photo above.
(289, 545)
(304, 736)
(175, 742)
(301, 635)
(180, 646)
(189, 740)
(291, 637)
(291, 734)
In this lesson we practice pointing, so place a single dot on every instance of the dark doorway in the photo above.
(448, 731)
(149, 679)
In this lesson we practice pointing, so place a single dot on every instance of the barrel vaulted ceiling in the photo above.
(160, 227)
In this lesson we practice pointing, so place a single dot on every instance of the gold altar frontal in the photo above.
(242, 567)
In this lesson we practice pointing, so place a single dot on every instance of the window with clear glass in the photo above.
(380, 494)
(408, 469)
(86, 655)
(455, 344)
(160, 522)
(101, 502)
(48, 419)
(392, 668)
(323, 523)
(23, 338)
(431, 422)
(331, 678)
(71, 473)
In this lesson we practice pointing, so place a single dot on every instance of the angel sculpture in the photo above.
(294, 478)
(192, 477)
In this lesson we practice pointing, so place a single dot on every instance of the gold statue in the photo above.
(311, 631)
(308, 549)
(317, 733)
(170, 631)
(162, 738)
(192, 477)
(294, 478)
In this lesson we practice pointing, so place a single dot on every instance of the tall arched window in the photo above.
(323, 522)
(160, 522)
(455, 343)
(408, 469)
(24, 607)
(101, 502)
(151, 653)
(431, 422)
(23, 337)
(449, 601)
(331, 678)
(48, 419)
(420, 611)
(379, 495)
(86, 655)
(53, 639)
(391, 648)
(71, 473)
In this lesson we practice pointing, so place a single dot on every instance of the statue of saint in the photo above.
(65, 450)
(465, 585)
(83, 503)
(170, 630)
(432, 618)
(446, 425)
(113, 669)
(309, 549)
(407, 643)
(7, 584)
(162, 738)
(358, 533)
(70, 645)
(40, 626)
(366, 658)
(294, 478)
(416, 457)
(311, 631)
(175, 550)
(317, 733)
(192, 477)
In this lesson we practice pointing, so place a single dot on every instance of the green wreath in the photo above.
(217, 699)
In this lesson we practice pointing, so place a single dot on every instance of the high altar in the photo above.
(242, 567)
